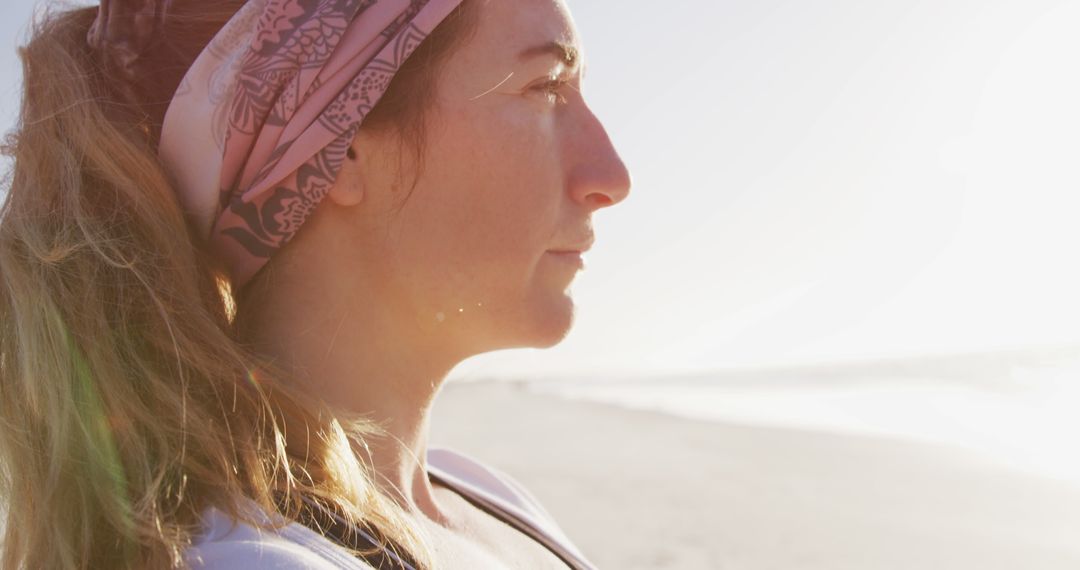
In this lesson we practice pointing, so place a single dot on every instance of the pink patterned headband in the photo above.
(258, 130)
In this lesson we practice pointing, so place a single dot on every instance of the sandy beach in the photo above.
(639, 490)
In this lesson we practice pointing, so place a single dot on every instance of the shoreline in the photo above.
(645, 489)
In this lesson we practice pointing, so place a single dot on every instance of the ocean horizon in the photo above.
(1018, 409)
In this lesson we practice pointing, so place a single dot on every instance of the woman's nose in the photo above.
(599, 177)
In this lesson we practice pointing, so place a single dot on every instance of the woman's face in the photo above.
(514, 166)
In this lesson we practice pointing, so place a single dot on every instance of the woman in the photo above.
(243, 246)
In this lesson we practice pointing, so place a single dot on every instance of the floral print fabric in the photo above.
(257, 131)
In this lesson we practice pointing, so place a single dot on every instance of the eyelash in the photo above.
(552, 87)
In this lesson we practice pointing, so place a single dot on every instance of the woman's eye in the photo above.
(552, 88)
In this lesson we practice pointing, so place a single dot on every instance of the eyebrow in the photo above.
(565, 52)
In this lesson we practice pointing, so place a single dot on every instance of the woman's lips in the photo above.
(570, 257)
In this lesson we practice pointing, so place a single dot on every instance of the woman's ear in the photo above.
(348, 189)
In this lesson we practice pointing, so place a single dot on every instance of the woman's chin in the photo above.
(541, 318)
(552, 320)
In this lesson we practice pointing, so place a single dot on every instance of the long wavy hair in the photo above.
(128, 402)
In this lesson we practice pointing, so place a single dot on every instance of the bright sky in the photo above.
(817, 180)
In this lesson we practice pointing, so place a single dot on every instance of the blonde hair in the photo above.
(127, 403)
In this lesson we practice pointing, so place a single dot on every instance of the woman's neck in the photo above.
(365, 358)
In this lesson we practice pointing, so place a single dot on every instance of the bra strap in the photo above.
(368, 545)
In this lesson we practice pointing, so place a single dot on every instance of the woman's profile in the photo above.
(243, 245)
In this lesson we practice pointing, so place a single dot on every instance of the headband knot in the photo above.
(122, 32)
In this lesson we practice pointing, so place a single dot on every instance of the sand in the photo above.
(638, 490)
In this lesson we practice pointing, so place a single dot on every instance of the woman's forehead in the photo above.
(527, 28)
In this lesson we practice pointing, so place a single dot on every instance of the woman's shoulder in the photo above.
(226, 543)
(461, 468)
(498, 487)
